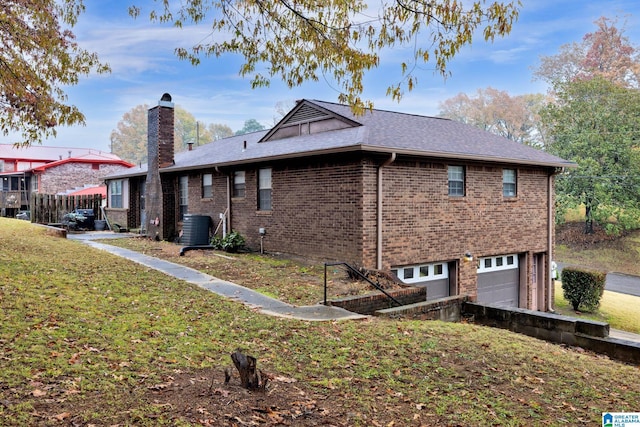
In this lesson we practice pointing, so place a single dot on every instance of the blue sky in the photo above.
(144, 67)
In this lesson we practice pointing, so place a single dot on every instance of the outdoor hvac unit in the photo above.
(195, 230)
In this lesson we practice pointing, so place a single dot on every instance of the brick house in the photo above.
(440, 203)
(50, 170)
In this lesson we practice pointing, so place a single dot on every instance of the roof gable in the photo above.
(308, 118)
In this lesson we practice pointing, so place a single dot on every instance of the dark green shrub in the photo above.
(232, 242)
(216, 242)
(583, 288)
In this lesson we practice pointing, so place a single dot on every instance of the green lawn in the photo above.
(621, 311)
(87, 338)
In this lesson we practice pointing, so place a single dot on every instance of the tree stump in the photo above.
(250, 377)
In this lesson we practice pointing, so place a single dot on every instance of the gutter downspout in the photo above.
(550, 241)
(228, 216)
(379, 211)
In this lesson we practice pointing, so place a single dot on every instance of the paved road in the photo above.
(616, 282)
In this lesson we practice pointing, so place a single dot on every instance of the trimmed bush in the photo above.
(583, 288)
(232, 242)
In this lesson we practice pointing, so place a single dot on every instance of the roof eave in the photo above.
(355, 148)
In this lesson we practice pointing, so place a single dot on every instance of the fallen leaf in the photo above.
(222, 392)
(38, 393)
(62, 416)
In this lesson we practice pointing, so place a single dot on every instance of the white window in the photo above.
(183, 190)
(509, 182)
(35, 183)
(115, 194)
(456, 181)
(207, 185)
(497, 263)
(422, 272)
(264, 189)
(238, 184)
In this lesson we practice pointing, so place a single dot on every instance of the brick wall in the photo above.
(422, 223)
(316, 209)
(326, 209)
(67, 176)
(370, 303)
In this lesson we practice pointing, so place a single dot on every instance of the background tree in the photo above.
(595, 124)
(339, 40)
(251, 125)
(129, 139)
(37, 59)
(219, 131)
(516, 118)
(607, 52)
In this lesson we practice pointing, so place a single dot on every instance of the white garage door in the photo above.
(499, 280)
(434, 276)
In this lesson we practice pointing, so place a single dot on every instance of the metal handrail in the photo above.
(359, 274)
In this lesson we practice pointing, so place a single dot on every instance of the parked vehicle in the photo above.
(26, 215)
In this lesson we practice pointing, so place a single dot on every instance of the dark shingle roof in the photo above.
(379, 131)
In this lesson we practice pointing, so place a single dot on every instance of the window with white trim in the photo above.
(509, 186)
(264, 189)
(207, 185)
(456, 180)
(238, 184)
(421, 273)
(35, 183)
(183, 191)
(115, 194)
(497, 263)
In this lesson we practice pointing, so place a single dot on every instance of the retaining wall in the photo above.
(446, 309)
(370, 303)
(588, 334)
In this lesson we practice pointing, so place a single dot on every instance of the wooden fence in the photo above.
(50, 208)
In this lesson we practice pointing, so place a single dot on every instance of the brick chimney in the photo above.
(160, 138)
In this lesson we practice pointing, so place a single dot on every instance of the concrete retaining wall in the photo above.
(587, 334)
(446, 309)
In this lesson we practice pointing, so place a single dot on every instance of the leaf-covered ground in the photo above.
(87, 338)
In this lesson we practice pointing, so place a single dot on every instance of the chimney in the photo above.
(160, 132)
(159, 155)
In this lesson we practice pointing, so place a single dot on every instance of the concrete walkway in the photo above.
(230, 290)
(241, 294)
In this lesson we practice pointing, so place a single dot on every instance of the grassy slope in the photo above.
(90, 331)
(620, 310)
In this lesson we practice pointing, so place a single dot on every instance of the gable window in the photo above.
(264, 189)
(456, 181)
(115, 194)
(238, 184)
(509, 182)
(183, 190)
(207, 185)
(95, 166)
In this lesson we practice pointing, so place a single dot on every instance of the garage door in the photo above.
(434, 276)
(499, 280)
